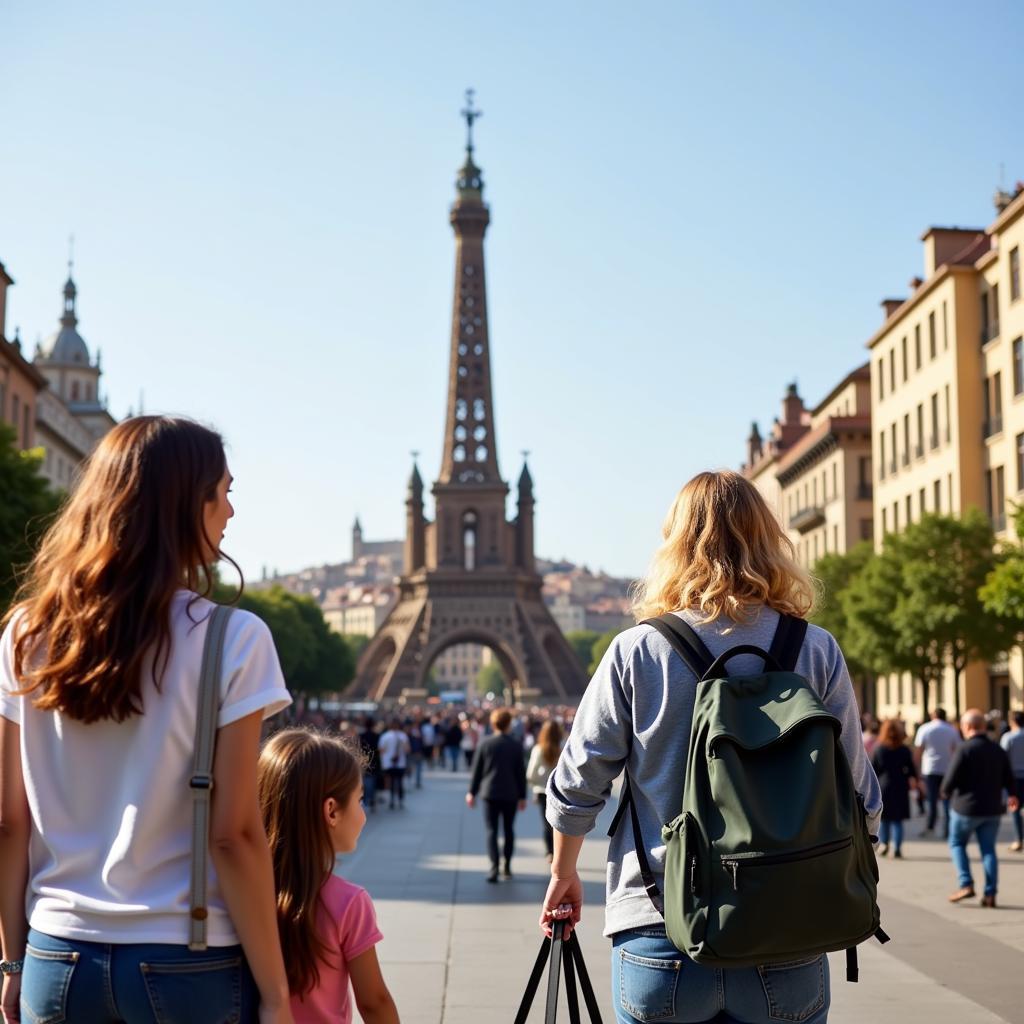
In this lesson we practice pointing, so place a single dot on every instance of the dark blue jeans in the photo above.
(102, 983)
(653, 981)
(933, 785)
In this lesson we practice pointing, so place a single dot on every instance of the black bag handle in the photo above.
(719, 666)
(560, 954)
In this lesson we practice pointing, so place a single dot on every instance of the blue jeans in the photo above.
(653, 981)
(896, 828)
(961, 826)
(103, 983)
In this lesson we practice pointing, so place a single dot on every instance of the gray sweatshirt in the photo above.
(636, 713)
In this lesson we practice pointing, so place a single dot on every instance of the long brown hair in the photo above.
(549, 739)
(298, 770)
(96, 600)
(723, 553)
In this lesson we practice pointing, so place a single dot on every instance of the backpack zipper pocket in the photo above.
(732, 862)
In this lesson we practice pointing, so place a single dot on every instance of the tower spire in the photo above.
(70, 317)
(470, 455)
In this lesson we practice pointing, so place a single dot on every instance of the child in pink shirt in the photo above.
(310, 790)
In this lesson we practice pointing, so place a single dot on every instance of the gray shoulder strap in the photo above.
(201, 782)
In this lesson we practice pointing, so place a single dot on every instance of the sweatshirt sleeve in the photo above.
(597, 748)
(842, 702)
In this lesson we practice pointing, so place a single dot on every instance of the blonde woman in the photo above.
(544, 757)
(727, 569)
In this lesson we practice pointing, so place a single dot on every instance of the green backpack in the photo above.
(769, 860)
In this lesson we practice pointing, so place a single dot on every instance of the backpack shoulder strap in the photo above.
(788, 639)
(201, 782)
(685, 642)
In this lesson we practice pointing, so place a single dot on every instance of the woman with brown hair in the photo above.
(544, 757)
(894, 765)
(728, 571)
(99, 669)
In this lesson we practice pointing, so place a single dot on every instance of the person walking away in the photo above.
(935, 743)
(727, 569)
(369, 744)
(974, 786)
(414, 733)
(310, 798)
(100, 666)
(543, 757)
(897, 775)
(499, 777)
(393, 751)
(428, 733)
(453, 743)
(1013, 744)
(471, 736)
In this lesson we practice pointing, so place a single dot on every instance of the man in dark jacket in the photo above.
(974, 784)
(499, 776)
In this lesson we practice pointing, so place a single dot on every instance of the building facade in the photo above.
(814, 469)
(20, 382)
(54, 402)
(947, 386)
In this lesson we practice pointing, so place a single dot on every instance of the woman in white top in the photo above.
(99, 669)
(543, 757)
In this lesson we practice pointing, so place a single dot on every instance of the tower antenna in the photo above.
(470, 115)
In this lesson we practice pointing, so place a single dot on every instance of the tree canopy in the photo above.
(27, 506)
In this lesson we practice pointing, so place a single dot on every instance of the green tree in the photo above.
(868, 606)
(27, 506)
(582, 642)
(835, 573)
(314, 659)
(1002, 594)
(490, 678)
(916, 606)
(945, 564)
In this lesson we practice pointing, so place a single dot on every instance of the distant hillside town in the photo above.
(357, 595)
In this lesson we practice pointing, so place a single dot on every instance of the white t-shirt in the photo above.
(109, 854)
(392, 749)
(938, 741)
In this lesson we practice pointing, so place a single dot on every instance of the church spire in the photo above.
(70, 317)
(470, 454)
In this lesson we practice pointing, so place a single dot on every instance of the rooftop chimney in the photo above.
(890, 306)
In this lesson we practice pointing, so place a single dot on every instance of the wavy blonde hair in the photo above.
(724, 553)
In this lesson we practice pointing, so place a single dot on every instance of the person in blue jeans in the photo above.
(727, 569)
(100, 664)
(977, 778)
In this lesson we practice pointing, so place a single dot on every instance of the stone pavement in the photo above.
(458, 951)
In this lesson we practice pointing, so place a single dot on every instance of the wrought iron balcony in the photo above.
(989, 332)
(865, 491)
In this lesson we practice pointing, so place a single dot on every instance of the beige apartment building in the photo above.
(947, 390)
(815, 468)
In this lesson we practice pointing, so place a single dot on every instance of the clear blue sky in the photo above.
(692, 204)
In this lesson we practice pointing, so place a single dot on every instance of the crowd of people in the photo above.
(150, 874)
(960, 779)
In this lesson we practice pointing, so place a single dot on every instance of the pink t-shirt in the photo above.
(348, 924)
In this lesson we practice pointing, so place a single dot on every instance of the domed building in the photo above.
(71, 414)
